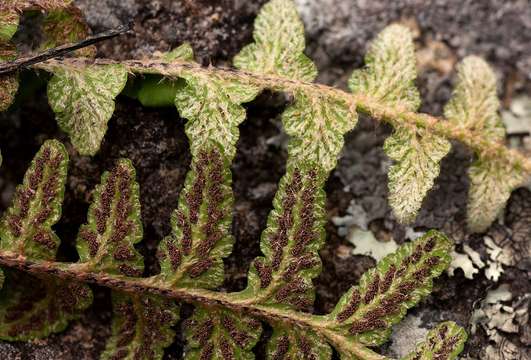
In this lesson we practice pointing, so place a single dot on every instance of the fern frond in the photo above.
(141, 327)
(8, 52)
(292, 342)
(214, 333)
(279, 44)
(66, 25)
(8, 82)
(114, 225)
(9, 20)
(192, 255)
(83, 102)
(391, 70)
(280, 283)
(474, 103)
(398, 282)
(290, 243)
(474, 106)
(317, 125)
(35, 307)
(417, 154)
(26, 225)
(445, 342)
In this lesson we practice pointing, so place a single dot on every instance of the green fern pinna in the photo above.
(279, 290)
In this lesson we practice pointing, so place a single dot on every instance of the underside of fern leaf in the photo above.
(37, 306)
(280, 288)
(141, 327)
(106, 242)
(444, 342)
(474, 106)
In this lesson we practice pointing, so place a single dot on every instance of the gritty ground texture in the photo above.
(338, 32)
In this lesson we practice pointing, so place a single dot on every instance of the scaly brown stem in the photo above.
(154, 285)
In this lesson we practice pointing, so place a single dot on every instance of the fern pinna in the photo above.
(280, 289)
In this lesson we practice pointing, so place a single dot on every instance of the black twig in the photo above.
(25, 62)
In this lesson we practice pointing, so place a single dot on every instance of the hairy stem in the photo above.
(366, 104)
(69, 271)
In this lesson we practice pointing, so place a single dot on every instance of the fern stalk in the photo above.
(75, 272)
(394, 115)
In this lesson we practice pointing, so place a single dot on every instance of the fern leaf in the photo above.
(213, 333)
(391, 71)
(8, 89)
(291, 342)
(474, 103)
(417, 153)
(26, 226)
(36, 307)
(83, 102)
(474, 106)
(9, 20)
(279, 44)
(8, 82)
(399, 281)
(291, 241)
(317, 126)
(213, 108)
(192, 254)
(491, 184)
(66, 25)
(114, 225)
(141, 327)
(444, 342)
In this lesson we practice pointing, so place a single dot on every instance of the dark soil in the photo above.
(154, 140)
